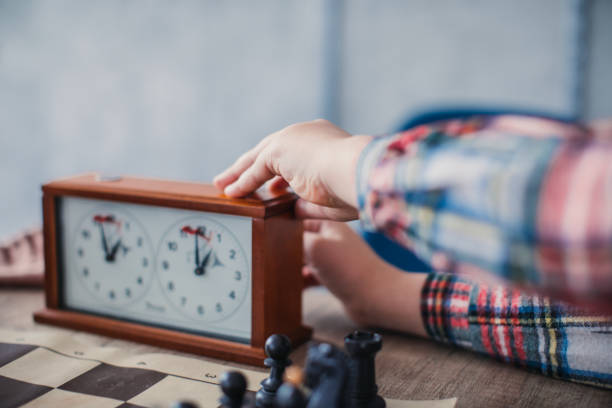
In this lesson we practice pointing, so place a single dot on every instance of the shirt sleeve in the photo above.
(554, 339)
(474, 199)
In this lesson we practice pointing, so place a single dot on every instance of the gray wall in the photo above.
(598, 78)
(401, 55)
(179, 89)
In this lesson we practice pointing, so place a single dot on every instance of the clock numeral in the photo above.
(128, 292)
(139, 280)
(219, 237)
(172, 246)
(218, 307)
(232, 294)
(200, 309)
(127, 226)
(165, 265)
(170, 286)
(232, 254)
(238, 275)
(97, 286)
(139, 242)
(80, 252)
(183, 300)
(111, 294)
(145, 262)
(85, 272)
(86, 234)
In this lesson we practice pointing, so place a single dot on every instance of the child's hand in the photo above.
(373, 292)
(317, 159)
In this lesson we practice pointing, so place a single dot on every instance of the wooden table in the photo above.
(407, 367)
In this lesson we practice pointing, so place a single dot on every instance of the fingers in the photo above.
(278, 184)
(309, 273)
(312, 225)
(306, 209)
(310, 277)
(250, 180)
(232, 173)
(308, 241)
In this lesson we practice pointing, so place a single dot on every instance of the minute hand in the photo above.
(104, 243)
(197, 252)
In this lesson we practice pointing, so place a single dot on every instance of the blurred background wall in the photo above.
(178, 89)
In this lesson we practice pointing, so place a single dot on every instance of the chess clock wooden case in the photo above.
(173, 264)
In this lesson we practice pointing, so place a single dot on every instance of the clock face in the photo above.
(202, 269)
(113, 256)
(168, 267)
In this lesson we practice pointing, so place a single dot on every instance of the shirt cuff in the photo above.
(368, 159)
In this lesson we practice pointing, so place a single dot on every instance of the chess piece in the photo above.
(233, 385)
(277, 347)
(362, 391)
(289, 396)
(184, 404)
(326, 375)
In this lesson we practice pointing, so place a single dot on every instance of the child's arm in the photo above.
(523, 199)
(528, 331)
(529, 203)
(372, 291)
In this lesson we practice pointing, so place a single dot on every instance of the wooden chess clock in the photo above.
(173, 264)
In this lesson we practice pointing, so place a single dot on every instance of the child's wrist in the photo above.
(344, 167)
(396, 302)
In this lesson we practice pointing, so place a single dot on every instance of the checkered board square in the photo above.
(33, 376)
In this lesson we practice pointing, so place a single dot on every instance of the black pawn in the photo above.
(278, 347)
(290, 396)
(233, 385)
(361, 385)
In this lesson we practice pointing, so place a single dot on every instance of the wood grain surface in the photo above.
(407, 367)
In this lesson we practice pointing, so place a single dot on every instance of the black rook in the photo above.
(361, 385)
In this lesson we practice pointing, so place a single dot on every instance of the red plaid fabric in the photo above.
(480, 196)
(554, 339)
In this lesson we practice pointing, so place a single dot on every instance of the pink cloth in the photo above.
(22, 259)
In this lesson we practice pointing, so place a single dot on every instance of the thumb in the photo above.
(306, 209)
(310, 277)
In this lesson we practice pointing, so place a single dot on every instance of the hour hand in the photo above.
(201, 268)
(111, 257)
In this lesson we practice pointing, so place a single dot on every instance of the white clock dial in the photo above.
(139, 263)
(202, 269)
(112, 256)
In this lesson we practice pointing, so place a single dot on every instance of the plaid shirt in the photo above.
(529, 331)
(474, 198)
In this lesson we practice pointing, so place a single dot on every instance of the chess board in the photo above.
(41, 369)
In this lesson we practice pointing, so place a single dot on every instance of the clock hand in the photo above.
(202, 268)
(217, 262)
(111, 257)
(104, 243)
(197, 255)
(201, 231)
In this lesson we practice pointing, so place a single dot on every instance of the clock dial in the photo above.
(202, 269)
(112, 256)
